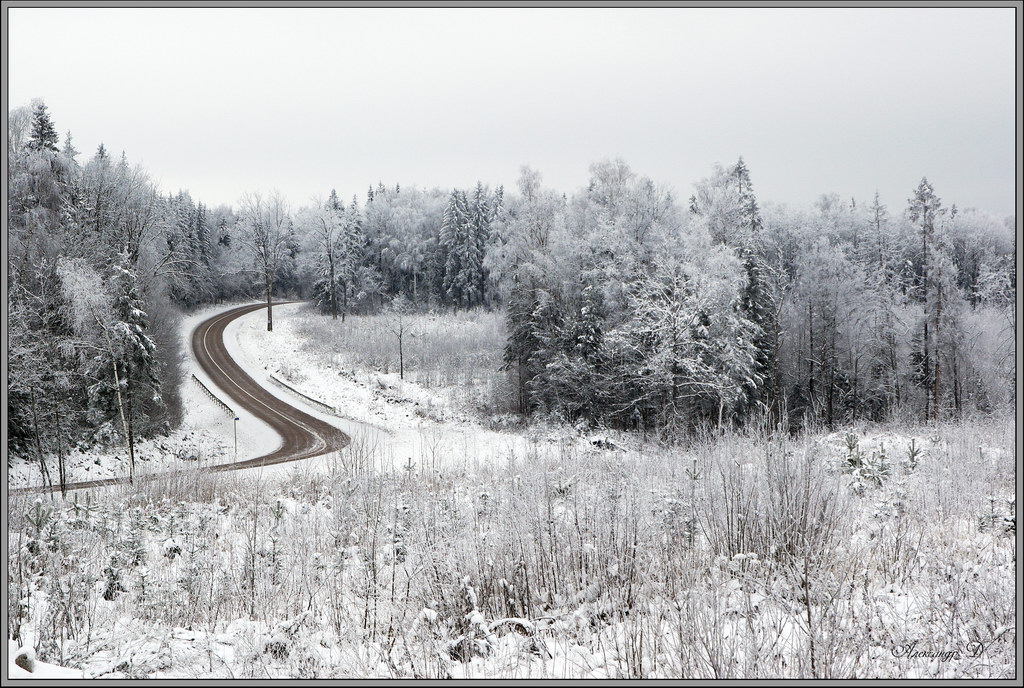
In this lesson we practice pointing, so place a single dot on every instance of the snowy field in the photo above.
(851, 554)
(433, 547)
(400, 421)
(403, 420)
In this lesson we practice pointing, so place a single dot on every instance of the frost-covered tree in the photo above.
(686, 353)
(462, 260)
(924, 209)
(398, 319)
(266, 230)
(725, 203)
(337, 241)
(112, 334)
(325, 224)
(187, 262)
(43, 134)
(141, 369)
(69, 149)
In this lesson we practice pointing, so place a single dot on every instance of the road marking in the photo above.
(248, 463)
(321, 442)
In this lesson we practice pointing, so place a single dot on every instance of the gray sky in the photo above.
(222, 101)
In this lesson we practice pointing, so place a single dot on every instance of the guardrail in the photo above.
(213, 396)
(281, 383)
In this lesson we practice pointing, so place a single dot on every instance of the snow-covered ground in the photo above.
(22, 663)
(375, 409)
(206, 436)
(313, 574)
(397, 422)
(344, 563)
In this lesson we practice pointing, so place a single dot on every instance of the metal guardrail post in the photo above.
(213, 396)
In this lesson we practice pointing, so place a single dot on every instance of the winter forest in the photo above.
(700, 433)
(625, 307)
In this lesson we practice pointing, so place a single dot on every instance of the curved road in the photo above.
(303, 436)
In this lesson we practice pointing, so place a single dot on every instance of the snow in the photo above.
(731, 607)
(255, 438)
(206, 436)
(376, 409)
(22, 664)
(399, 423)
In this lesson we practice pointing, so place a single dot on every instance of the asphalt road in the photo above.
(303, 436)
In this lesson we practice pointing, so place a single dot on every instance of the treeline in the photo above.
(626, 307)
(99, 264)
(430, 246)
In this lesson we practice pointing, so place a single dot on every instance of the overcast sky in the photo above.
(223, 101)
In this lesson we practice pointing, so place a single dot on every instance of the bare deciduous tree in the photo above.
(266, 228)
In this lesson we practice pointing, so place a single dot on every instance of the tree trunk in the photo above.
(957, 388)
(61, 471)
(925, 370)
(856, 391)
(131, 416)
(270, 309)
(930, 401)
(810, 357)
(334, 290)
(39, 445)
(937, 377)
(522, 386)
(401, 359)
(344, 301)
(124, 423)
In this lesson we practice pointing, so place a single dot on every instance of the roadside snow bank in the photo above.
(206, 436)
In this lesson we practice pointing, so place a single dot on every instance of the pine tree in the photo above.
(456, 237)
(350, 255)
(43, 135)
(522, 342)
(125, 368)
(878, 216)
(575, 367)
(334, 203)
(758, 306)
(923, 210)
(749, 212)
(481, 213)
(141, 379)
(69, 148)
(223, 233)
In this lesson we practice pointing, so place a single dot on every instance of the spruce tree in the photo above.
(69, 148)
(43, 135)
(141, 378)
(334, 203)
(522, 342)
(749, 212)
(456, 237)
(923, 210)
